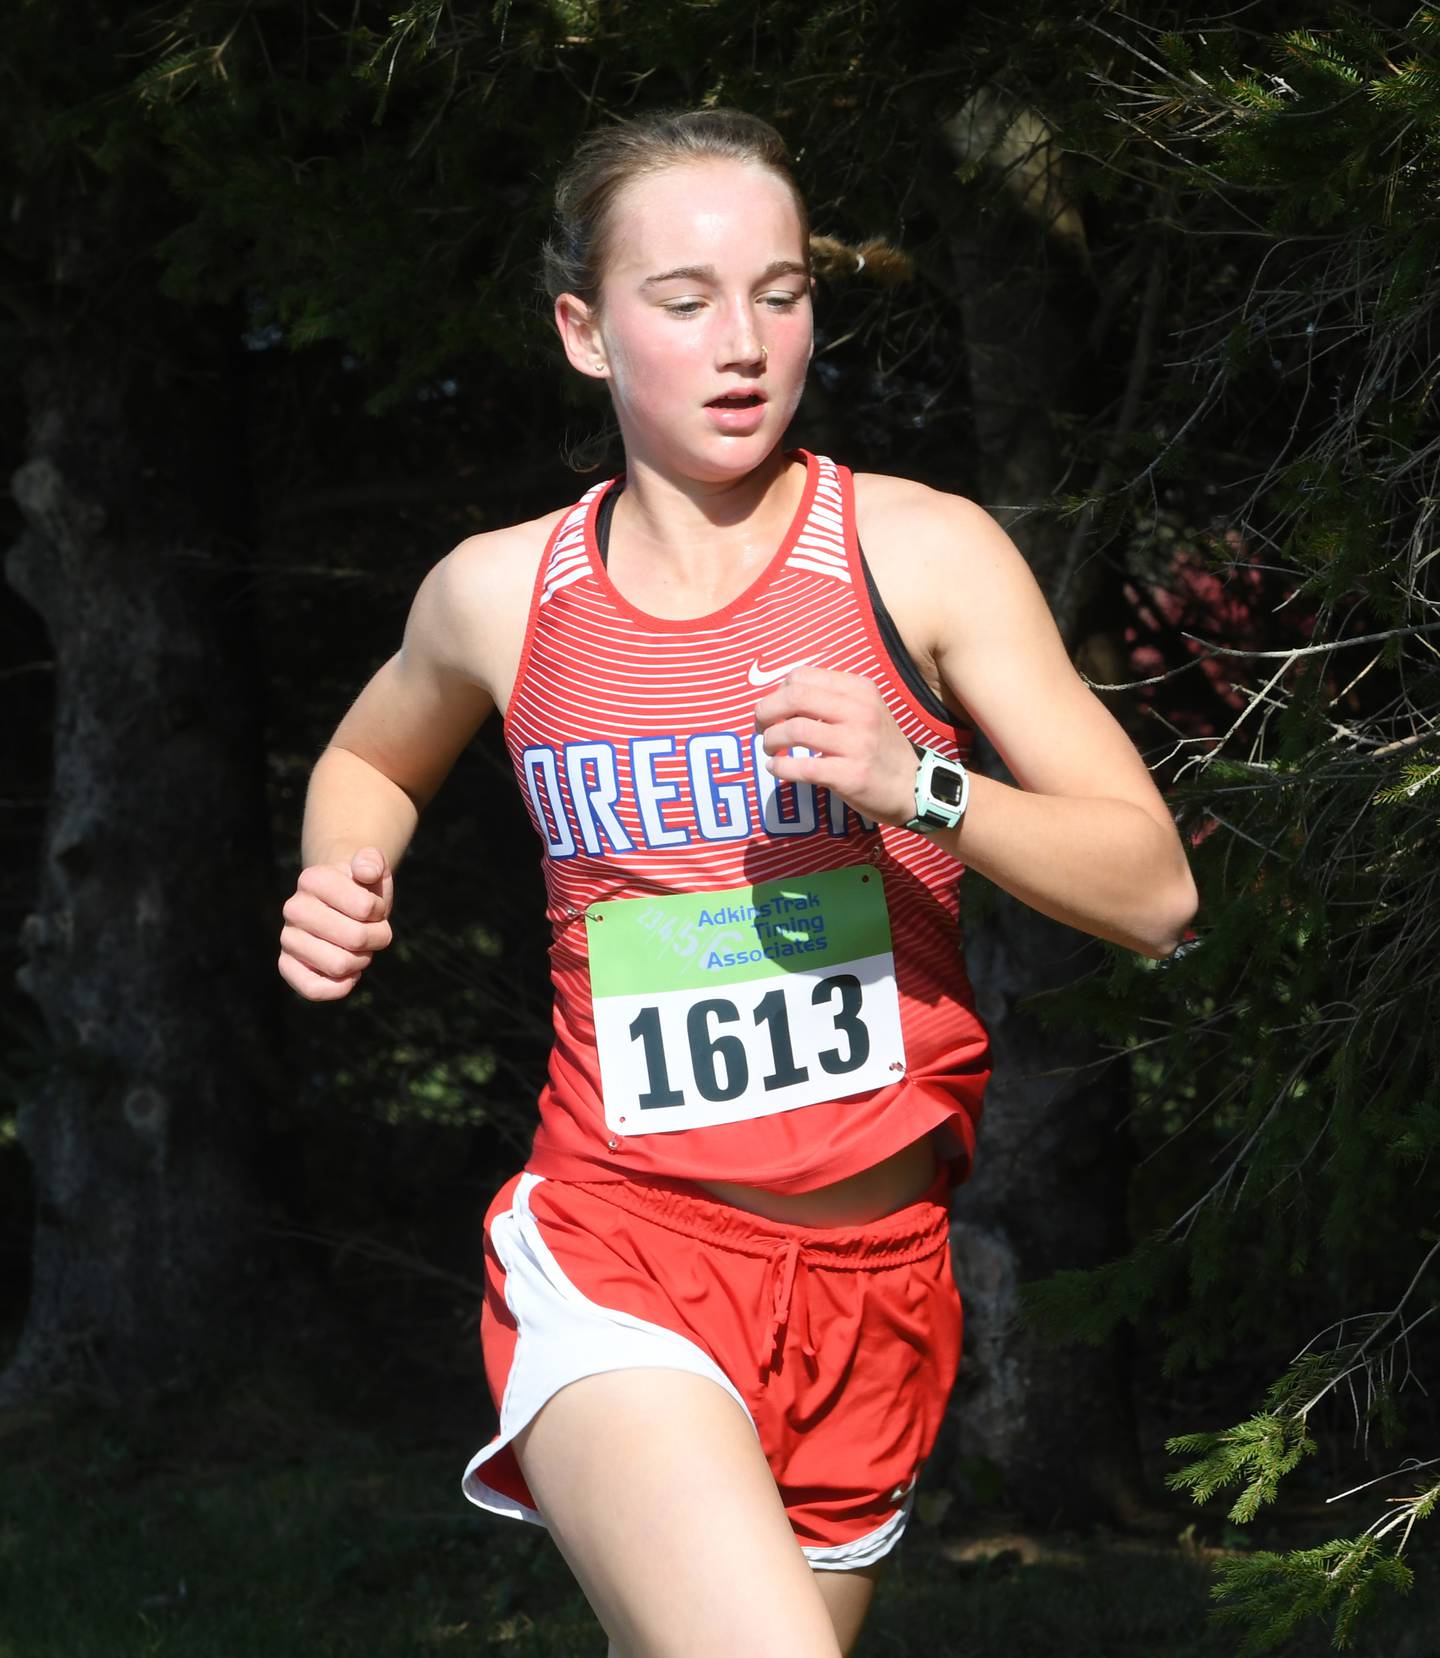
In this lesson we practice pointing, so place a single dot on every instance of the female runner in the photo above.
(738, 686)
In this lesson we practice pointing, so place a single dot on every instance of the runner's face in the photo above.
(705, 294)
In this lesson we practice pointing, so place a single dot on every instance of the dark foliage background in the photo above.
(1240, 218)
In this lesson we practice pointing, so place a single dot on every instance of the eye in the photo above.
(782, 301)
(683, 307)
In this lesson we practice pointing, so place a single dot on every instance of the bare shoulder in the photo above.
(497, 566)
(897, 510)
(884, 492)
(470, 609)
(939, 552)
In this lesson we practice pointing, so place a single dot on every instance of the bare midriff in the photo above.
(858, 1199)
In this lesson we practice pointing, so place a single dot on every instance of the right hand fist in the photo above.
(335, 922)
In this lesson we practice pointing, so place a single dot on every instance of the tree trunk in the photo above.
(1057, 1424)
(1054, 1428)
(150, 950)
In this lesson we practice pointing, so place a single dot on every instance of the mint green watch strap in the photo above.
(942, 791)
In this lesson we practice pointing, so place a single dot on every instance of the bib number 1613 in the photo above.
(673, 1059)
(724, 1049)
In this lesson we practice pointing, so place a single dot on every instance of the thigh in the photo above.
(658, 1495)
(847, 1597)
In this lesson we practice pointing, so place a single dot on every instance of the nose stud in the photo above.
(765, 355)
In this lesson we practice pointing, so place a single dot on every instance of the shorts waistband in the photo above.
(919, 1229)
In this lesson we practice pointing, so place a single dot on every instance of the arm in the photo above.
(389, 755)
(402, 735)
(1086, 837)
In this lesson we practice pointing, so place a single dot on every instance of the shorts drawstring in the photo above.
(786, 1260)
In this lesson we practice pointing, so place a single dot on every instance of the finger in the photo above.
(314, 987)
(819, 769)
(321, 956)
(368, 865)
(838, 704)
(817, 735)
(342, 892)
(313, 915)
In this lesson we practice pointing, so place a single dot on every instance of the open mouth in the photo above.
(736, 400)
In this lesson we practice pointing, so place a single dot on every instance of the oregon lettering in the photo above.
(606, 799)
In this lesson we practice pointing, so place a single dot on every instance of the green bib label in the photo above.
(716, 1007)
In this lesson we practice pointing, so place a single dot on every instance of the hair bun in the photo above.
(876, 260)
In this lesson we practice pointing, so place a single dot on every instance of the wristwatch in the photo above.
(942, 791)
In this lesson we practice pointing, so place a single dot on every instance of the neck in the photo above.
(684, 525)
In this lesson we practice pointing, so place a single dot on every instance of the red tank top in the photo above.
(633, 738)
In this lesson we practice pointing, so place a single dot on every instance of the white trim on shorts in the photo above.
(861, 1551)
(562, 1336)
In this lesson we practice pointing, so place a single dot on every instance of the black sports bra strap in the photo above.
(901, 658)
(603, 517)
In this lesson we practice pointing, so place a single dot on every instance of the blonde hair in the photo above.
(610, 157)
(575, 252)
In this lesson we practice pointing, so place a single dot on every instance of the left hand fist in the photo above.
(856, 749)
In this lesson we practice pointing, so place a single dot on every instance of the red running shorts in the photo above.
(841, 1344)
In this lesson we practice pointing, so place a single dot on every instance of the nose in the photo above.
(740, 346)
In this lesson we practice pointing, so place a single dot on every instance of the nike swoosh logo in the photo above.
(768, 676)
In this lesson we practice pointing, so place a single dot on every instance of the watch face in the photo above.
(946, 785)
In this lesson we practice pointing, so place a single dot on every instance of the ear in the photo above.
(579, 331)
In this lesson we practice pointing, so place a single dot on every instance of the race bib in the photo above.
(716, 1007)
